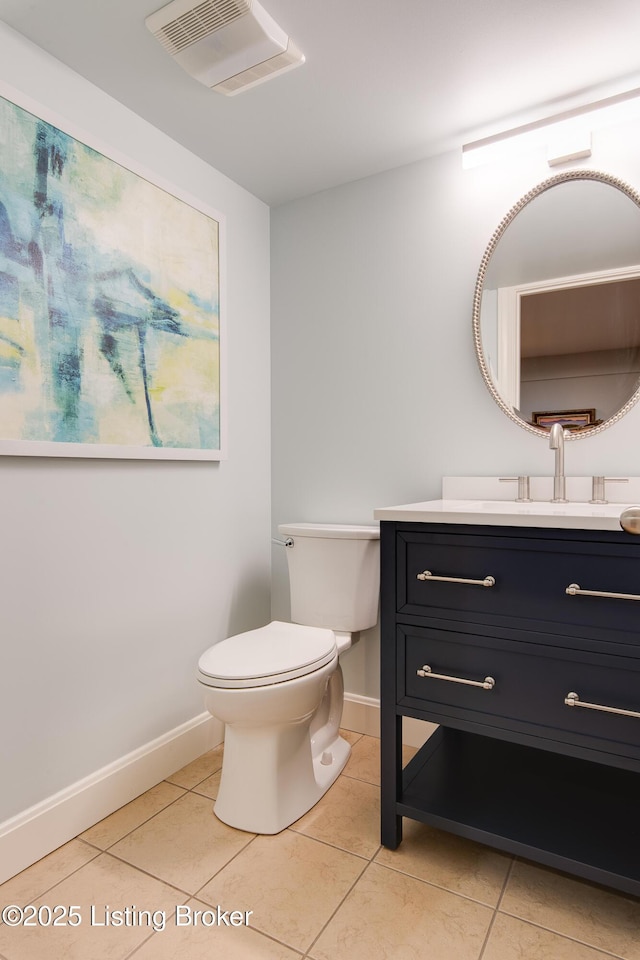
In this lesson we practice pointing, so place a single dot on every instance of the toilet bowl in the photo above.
(279, 689)
(270, 752)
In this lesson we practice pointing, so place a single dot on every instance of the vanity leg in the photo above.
(390, 722)
(391, 838)
(391, 782)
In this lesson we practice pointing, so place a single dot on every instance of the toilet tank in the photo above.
(334, 574)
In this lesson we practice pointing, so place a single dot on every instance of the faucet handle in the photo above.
(597, 487)
(523, 487)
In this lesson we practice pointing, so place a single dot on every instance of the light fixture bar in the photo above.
(578, 121)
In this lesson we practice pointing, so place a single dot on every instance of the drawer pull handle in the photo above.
(573, 700)
(487, 684)
(427, 575)
(574, 591)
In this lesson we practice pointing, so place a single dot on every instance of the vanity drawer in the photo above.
(528, 579)
(528, 691)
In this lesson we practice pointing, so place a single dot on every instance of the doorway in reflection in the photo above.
(579, 350)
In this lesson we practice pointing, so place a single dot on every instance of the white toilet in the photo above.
(279, 689)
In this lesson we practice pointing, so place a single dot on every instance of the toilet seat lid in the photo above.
(279, 651)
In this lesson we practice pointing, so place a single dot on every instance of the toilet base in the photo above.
(282, 748)
(327, 770)
(270, 784)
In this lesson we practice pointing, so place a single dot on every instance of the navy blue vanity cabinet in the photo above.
(509, 639)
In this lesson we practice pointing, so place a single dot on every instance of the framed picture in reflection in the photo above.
(569, 419)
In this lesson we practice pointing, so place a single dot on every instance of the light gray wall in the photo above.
(116, 575)
(376, 391)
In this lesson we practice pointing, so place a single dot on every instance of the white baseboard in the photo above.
(35, 832)
(362, 715)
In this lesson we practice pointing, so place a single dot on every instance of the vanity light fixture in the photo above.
(567, 136)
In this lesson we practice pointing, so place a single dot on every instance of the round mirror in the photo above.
(556, 310)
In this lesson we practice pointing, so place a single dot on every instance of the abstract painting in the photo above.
(109, 305)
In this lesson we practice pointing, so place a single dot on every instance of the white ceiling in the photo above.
(386, 82)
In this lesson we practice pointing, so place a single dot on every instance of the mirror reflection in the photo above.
(557, 307)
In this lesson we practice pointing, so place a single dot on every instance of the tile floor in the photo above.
(324, 889)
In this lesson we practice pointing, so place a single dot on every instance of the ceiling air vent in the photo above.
(228, 45)
(197, 22)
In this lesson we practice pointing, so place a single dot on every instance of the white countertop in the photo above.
(568, 516)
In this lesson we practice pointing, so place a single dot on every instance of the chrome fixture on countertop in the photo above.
(597, 487)
(556, 442)
(524, 492)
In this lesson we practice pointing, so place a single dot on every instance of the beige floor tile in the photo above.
(601, 918)
(132, 815)
(193, 940)
(513, 939)
(350, 735)
(452, 862)
(104, 882)
(389, 916)
(199, 769)
(185, 844)
(210, 786)
(292, 883)
(348, 816)
(28, 885)
(364, 762)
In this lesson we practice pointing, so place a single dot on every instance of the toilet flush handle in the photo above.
(283, 543)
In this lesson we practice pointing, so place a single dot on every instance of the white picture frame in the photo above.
(112, 339)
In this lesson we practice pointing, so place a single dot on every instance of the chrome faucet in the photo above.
(556, 442)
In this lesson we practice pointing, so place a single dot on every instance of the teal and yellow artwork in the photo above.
(109, 305)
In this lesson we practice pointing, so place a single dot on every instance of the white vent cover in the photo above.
(229, 45)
